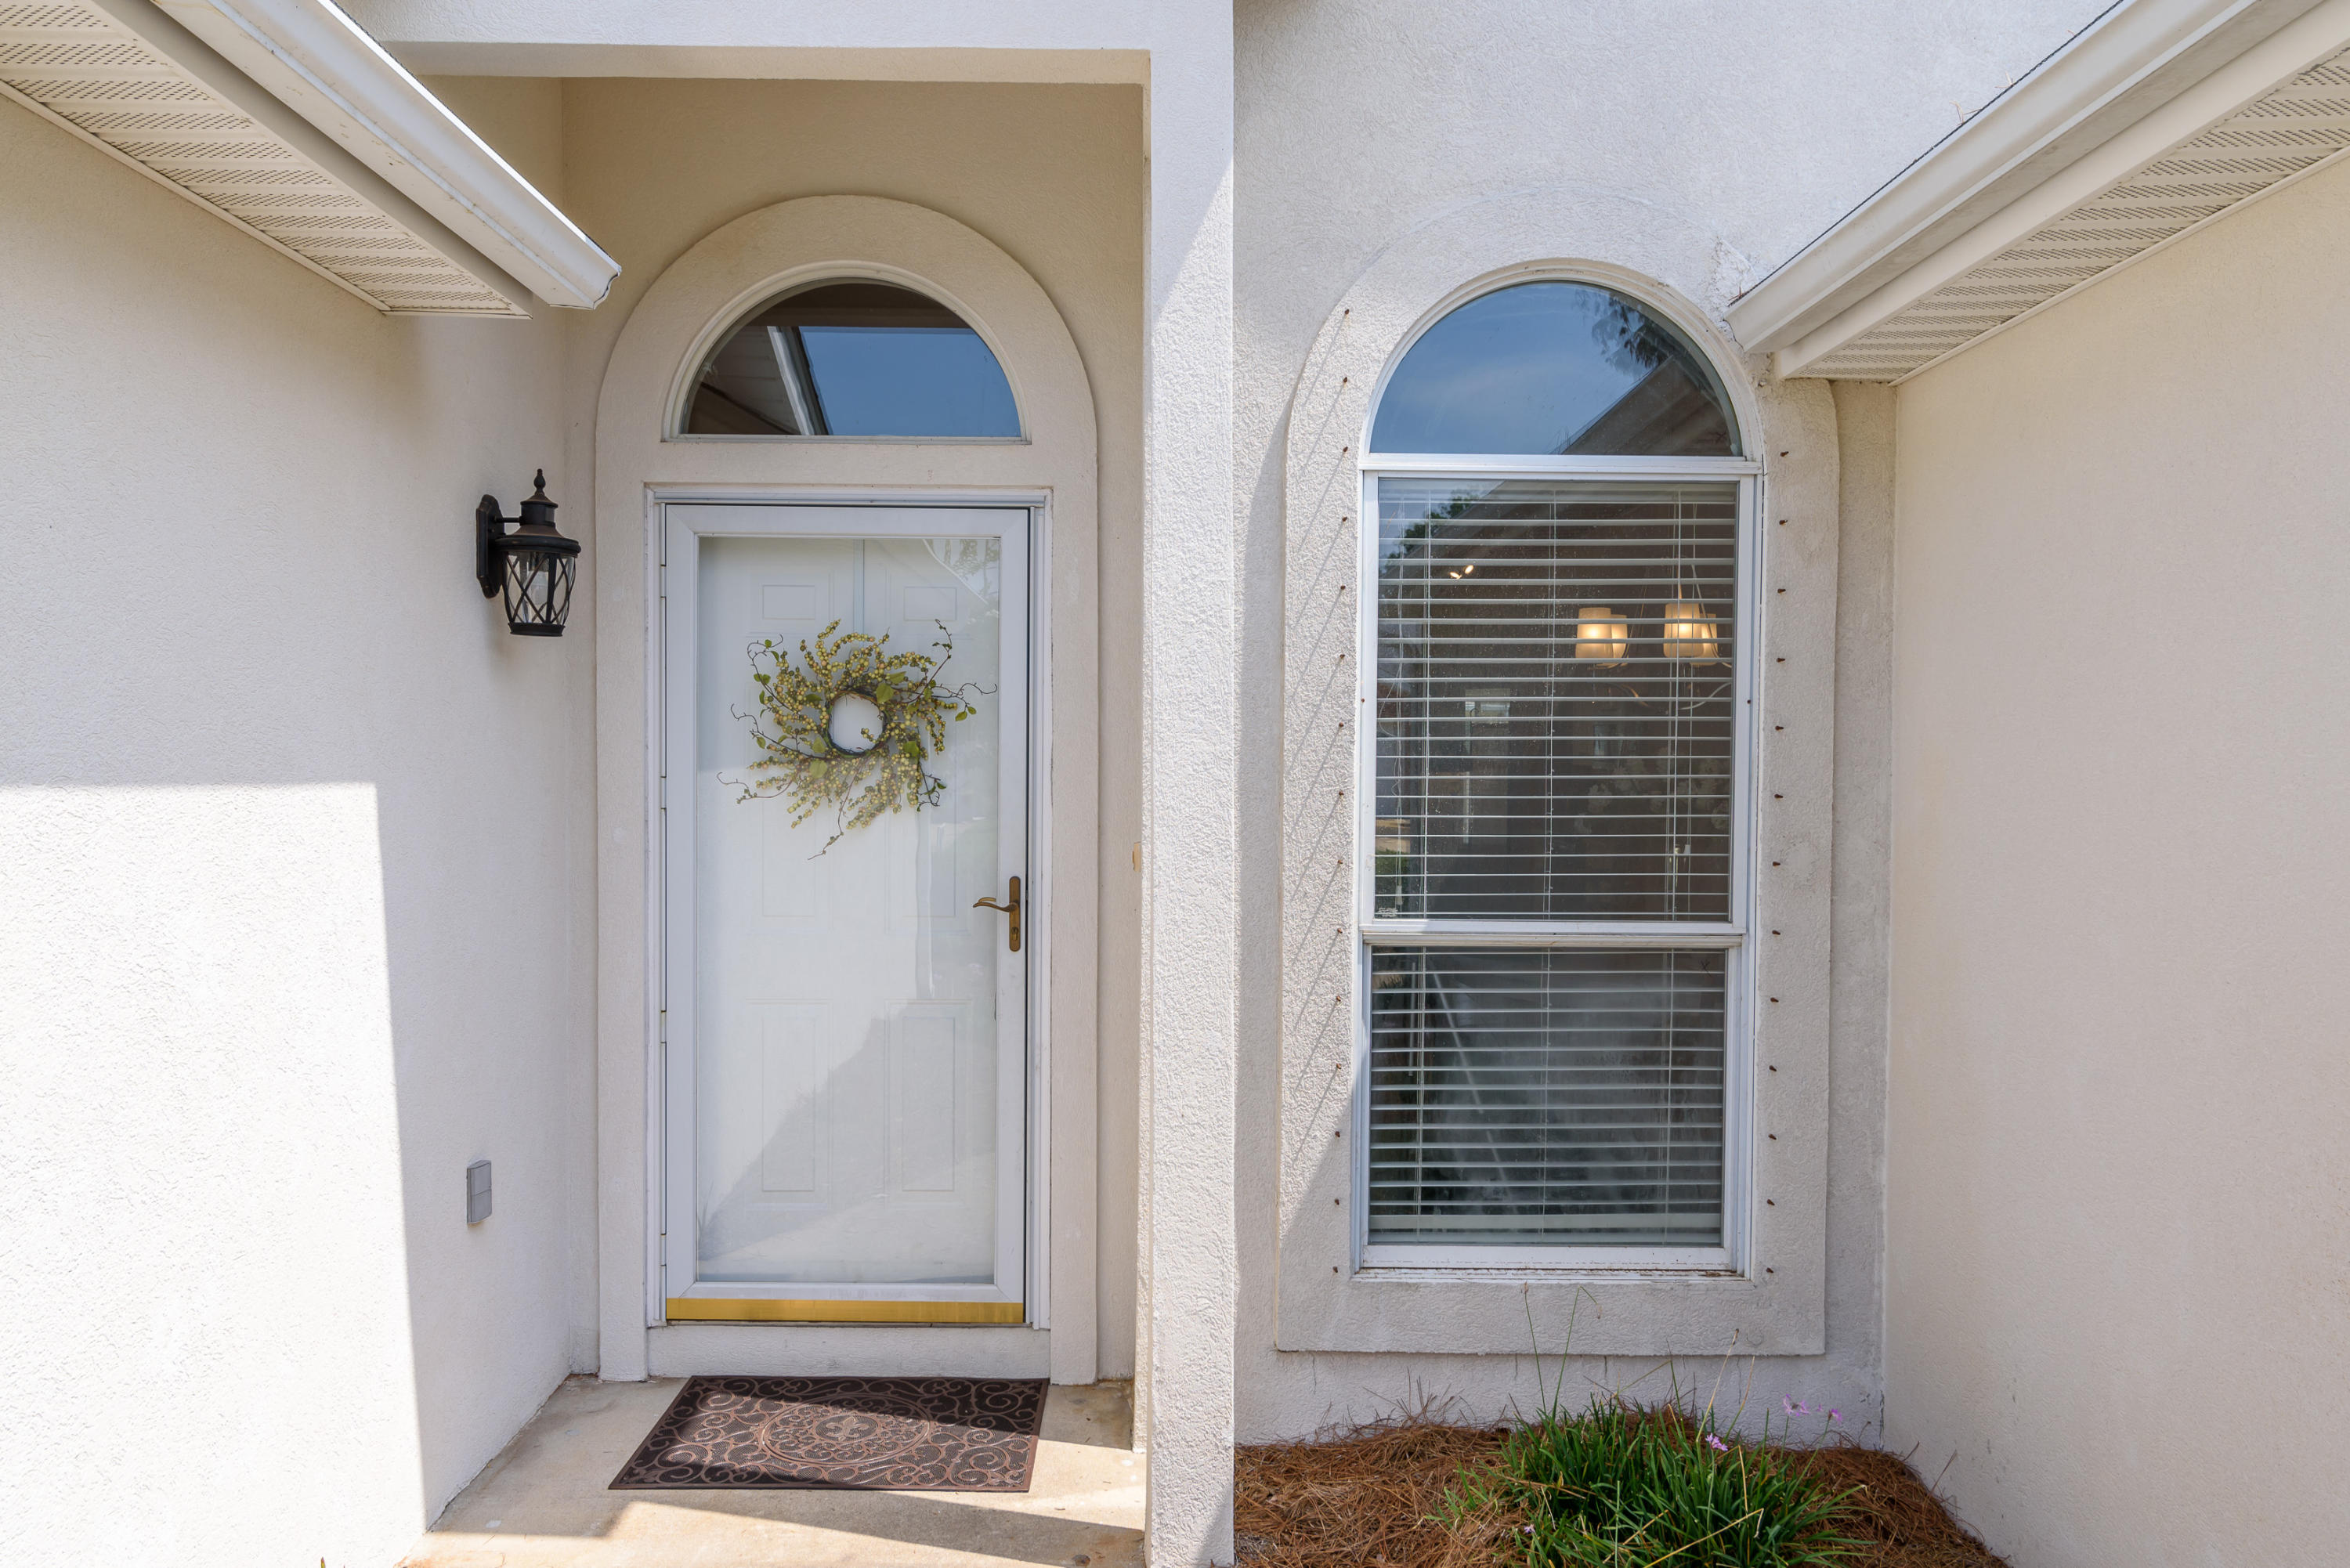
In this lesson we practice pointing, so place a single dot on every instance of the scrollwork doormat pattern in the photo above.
(862, 1434)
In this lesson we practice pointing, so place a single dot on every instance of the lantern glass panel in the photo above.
(538, 589)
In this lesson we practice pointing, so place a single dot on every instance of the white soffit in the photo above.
(123, 75)
(754, 62)
(324, 64)
(2225, 135)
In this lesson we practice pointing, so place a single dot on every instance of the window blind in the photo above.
(1556, 713)
(1546, 1096)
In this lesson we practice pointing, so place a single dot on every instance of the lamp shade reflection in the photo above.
(1601, 634)
(1689, 632)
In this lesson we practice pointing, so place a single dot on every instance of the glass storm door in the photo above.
(844, 1064)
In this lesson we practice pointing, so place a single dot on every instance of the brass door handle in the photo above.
(1012, 909)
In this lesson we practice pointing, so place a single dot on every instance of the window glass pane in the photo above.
(1556, 711)
(1553, 367)
(1546, 1096)
(853, 359)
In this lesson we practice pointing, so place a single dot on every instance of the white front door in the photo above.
(845, 1067)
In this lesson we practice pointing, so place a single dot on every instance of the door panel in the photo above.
(855, 1029)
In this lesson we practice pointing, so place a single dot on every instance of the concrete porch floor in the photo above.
(543, 1501)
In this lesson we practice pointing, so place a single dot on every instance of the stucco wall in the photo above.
(2118, 1228)
(291, 910)
(1361, 123)
(1055, 176)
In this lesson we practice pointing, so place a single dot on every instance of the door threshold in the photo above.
(710, 1309)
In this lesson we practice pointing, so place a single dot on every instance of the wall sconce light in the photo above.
(1601, 634)
(1691, 633)
(534, 565)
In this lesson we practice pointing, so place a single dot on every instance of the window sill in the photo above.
(1544, 1263)
(1552, 1312)
(1549, 1275)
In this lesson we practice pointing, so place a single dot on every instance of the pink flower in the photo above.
(1835, 1414)
(1716, 1444)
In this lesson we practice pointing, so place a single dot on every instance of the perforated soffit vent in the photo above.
(2286, 133)
(80, 67)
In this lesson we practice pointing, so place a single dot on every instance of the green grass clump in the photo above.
(1624, 1486)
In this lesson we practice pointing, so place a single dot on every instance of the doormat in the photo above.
(858, 1434)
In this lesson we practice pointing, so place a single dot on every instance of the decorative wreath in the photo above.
(851, 725)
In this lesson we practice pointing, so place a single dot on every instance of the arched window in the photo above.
(1554, 837)
(852, 358)
(1566, 369)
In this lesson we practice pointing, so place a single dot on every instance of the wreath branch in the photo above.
(802, 765)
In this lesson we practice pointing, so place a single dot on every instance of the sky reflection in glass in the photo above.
(909, 381)
(1546, 369)
(855, 356)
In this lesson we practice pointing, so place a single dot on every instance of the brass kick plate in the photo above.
(704, 1309)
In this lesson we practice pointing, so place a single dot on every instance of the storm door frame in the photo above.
(672, 1159)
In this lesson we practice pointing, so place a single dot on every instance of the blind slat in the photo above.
(1544, 1095)
(1554, 709)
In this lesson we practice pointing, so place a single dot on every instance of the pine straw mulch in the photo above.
(1364, 1499)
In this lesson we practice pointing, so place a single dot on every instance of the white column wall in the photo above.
(1191, 726)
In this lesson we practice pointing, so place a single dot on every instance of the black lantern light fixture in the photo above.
(534, 565)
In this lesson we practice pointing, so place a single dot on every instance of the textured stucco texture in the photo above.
(2119, 1192)
(1054, 176)
(1362, 123)
(298, 847)
(289, 912)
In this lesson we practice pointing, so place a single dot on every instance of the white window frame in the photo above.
(1731, 936)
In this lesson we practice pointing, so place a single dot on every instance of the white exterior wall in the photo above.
(1360, 124)
(355, 765)
(2117, 1170)
(292, 919)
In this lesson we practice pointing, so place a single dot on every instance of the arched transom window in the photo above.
(1553, 811)
(855, 358)
(1556, 369)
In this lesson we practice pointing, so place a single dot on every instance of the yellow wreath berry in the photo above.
(792, 726)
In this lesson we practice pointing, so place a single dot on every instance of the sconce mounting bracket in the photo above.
(489, 529)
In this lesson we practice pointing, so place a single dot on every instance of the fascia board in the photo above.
(753, 62)
(203, 64)
(2136, 56)
(326, 68)
(2322, 32)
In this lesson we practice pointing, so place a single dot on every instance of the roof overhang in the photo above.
(752, 62)
(2159, 118)
(284, 118)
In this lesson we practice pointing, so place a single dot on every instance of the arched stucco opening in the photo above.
(643, 461)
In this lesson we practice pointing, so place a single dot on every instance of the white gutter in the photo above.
(317, 60)
(2320, 32)
(2136, 56)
